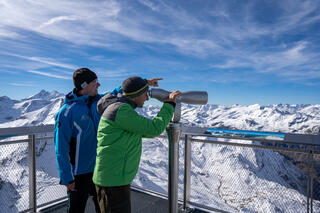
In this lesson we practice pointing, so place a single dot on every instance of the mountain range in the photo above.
(234, 179)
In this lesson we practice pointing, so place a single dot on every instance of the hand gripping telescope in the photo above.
(188, 97)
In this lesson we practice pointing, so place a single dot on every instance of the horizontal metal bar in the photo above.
(44, 138)
(303, 139)
(26, 210)
(253, 146)
(248, 145)
(52, 204)
(291, 141)
(13, 142)
(47, 204)
(25, 130)
(195, 140)
(306, 139)
(206, 207)
(24, 140)
(138, 188)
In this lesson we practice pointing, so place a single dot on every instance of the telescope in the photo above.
(174, 131)
(188, 97)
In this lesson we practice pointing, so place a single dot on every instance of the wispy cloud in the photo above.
(22, 84)
(47, 61)
(113, 73)
(238, 35)
(4, 33)
(56, 20)
(49, 74)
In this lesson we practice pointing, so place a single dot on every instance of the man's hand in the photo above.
(71, 186)
(154, 82)
(173, 96)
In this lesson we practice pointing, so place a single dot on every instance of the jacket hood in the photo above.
(109, 99)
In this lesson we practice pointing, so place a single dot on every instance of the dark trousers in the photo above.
(84, 187)
(115, 199)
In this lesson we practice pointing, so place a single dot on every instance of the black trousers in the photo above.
(84, 187)
(115, 199)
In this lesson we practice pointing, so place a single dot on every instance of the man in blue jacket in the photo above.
(75, 137)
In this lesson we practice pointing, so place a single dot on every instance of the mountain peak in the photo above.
(5, 98)
(43, 94)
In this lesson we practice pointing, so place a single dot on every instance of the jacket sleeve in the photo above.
(62, 138)
(115, 91)
(129, 120)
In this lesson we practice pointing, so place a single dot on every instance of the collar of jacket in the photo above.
(128, 100)
(73, 97)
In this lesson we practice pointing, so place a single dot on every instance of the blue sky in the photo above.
(241, 52)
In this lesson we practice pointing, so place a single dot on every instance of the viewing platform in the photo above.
(223, 172)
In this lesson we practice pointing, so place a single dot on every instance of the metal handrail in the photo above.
(310, 144)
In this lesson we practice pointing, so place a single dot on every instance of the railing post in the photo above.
(311, 181)
(32, 173)
(187, 170)
(174, 132)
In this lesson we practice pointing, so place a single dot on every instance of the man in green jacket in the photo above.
(120, 134)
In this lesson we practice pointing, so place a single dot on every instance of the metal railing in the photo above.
(293, 143)
(28, 136)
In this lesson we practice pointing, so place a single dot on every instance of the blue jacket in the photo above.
(75, 135)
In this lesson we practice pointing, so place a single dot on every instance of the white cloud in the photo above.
(49, 74)
(7, 33)
(201, 31)
(22, 84)
(149, 4)
(295, 54)
(47, 61)
(113, 73)
(56, 20)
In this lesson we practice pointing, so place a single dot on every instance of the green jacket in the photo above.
(119, 136)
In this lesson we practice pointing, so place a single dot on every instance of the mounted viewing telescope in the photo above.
(189, 97)
(174, 130)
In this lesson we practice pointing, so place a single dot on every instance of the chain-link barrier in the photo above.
(223, 177)
(47, 179)
(14, 185)
(14, 176)
(241, 179)
(153, 169)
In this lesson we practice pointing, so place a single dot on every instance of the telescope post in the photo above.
(174, 132)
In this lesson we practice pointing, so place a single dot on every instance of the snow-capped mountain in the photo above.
(233, 179)
(299, 118)
(34, 110)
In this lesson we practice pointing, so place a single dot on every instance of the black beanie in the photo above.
(134, 86)
(82, 77)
